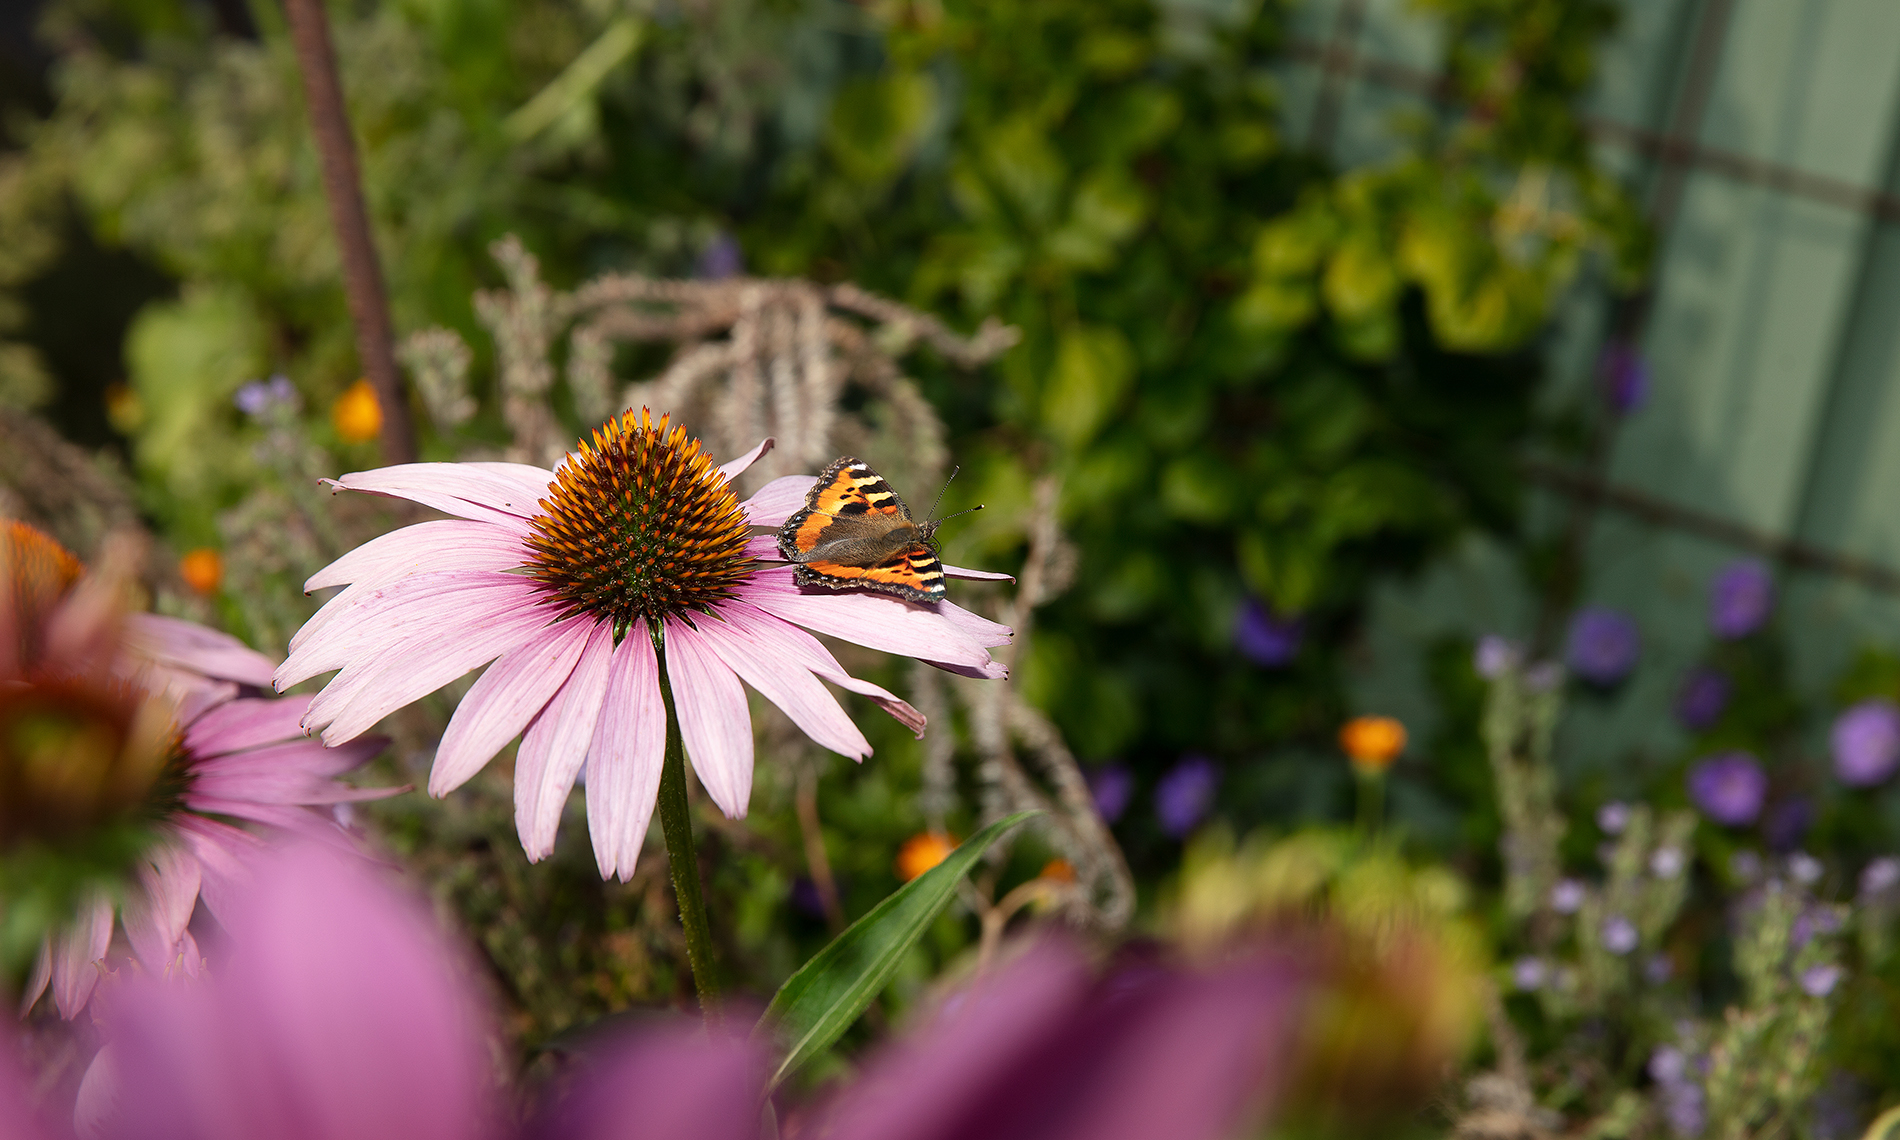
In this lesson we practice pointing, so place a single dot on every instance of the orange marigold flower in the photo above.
(1372, 742)
(1058, 870)
(202, 569)
(921, 852)
(356, 414)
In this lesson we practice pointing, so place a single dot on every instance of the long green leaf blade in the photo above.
(827, 994)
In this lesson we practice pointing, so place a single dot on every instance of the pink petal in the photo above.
(979, 629)
(301, 756)
(623, 767)
(778, 500)
(275, 786)
(155, 915)
(763, 548)
(237, 725)
(778, 677)
(294, 818)
(365, 694)
(774, 636)
(738, 466)
(555, 746)
(188, 645)
(976, 575)
(469, 490)
(421, 606)
(75, 951)
(503, 700)
(221, 869)
(875, 621)
(715, 724)
(37, 981)
(422, 547)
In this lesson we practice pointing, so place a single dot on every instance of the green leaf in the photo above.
(827, 994)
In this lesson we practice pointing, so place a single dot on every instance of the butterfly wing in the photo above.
(855, 532)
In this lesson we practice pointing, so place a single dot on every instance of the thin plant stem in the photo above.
(1371, 799)
(676, 824)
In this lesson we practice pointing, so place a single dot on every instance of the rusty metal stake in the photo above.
(342, 185)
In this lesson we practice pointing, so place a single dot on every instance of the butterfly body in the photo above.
(855, 533)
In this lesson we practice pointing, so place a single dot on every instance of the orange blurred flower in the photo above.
(356, 414)
(921, 852)
(1372, 742)
(1058, 870)
(202, 569)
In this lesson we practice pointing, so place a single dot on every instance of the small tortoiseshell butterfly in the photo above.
(854, 532)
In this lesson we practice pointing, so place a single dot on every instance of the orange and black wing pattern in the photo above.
(855, 533)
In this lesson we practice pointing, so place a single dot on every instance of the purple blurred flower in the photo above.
(1729, 788)
(1613, 817)
(1658, 969)
(1668, 1065)
(722, 258)
(1185, 793)
(1866, 741)
(1265, 638)
(1788, 822)
(1624, 377)
(1702, 699)
(1682, 1098)
(1805, 869)
(1567, 896)
(1603, 645)
(1740, 598)
(1879, 876)
(1543, 676)
(1529, 974)
(1112, 785)
(1819, 981)
(1494, 655)
(1619, 934)
(1667, 862)
(260, 397)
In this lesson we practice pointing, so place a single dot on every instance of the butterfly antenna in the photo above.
(940, 492)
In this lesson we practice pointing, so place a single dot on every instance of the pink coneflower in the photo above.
(128, 738)
(577, 584)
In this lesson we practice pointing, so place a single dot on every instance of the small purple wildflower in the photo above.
(1613, 817)
(722, 258)
(1788, 822)
(1619, 934)
(1266, 638)
(1658, 969)
(1819, 981)
(1112, 785)
(1866, 741)
(1702, 699)
(1879, 876)
(1668, 1065)
(1495, 655)
(1624, 377)
(1185, 793)
(1740, 599)
(1567, 896)
(1667, 862)
(1603, 645)
(1529, 974)
(1729, 788)
(260, 397)
(1543, 676)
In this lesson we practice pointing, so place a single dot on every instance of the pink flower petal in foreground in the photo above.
(213, 759)
(548, 577)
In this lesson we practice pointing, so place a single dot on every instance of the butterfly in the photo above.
(854, 532)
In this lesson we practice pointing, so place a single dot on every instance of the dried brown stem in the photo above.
(342, 185)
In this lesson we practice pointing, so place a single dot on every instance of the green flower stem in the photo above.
(1371, 798)
(676, 824)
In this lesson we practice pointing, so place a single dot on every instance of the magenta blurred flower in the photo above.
(1702, 699)
(1866, 740)
(1740, 599)
(564, 579)
(1729, 788)
(218, 759)
(1603, 645)
(1624, 377)
(347, 1016)
(1185, 793)
(1112, 786)
(1266, 638)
